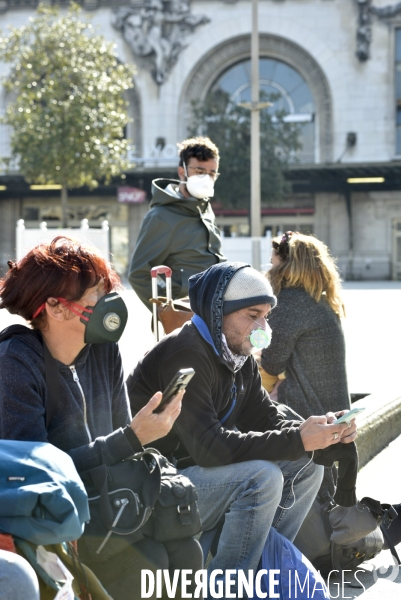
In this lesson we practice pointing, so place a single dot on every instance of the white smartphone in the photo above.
(347, 418)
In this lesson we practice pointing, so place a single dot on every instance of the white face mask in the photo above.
(199, 186)
(261, 338)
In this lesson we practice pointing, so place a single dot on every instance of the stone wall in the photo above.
(357, 95)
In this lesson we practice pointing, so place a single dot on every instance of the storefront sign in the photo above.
(130, 195)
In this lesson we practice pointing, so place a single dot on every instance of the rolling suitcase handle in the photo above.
(154, 272)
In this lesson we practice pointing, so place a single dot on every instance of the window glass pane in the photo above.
(302, 98)
(266, 68)
(286, 76)
(291, 92)
(398, 140)
(398, 45)
(307, 138)
(399, 249)
(31, 213)
(398, 81)
(234, 77)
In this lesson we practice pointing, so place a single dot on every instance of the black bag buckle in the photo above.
(388, 516)
(184, 510)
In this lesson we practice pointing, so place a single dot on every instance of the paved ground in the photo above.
(373, 334)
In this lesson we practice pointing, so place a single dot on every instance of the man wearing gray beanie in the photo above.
(249, 464)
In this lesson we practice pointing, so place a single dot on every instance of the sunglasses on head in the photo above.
(283, 248)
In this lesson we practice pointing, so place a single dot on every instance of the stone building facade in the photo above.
(336, 65)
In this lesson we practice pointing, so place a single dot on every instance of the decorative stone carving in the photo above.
(158, 30)
(364, 30)
(386, 12)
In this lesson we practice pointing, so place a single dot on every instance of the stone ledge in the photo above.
(379, 425)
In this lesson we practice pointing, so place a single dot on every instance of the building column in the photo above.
(9, 214)
(136, 214)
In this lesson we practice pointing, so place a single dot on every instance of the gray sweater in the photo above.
(308, 344)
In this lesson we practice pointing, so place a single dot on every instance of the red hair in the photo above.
(63, 268)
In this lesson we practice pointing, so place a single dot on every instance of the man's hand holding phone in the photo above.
(348, 417)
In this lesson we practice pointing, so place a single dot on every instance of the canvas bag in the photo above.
(297, 578)
(338, 538)
(43, 499)
(173, 314)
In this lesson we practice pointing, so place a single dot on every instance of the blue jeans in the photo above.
(248, 495)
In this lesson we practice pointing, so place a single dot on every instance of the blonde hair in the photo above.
(308, 265)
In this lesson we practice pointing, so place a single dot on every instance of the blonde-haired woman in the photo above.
(305, 362)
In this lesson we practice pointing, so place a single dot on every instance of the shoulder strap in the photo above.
(51, 370)
(52, 383)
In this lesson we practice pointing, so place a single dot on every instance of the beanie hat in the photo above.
(247, 287)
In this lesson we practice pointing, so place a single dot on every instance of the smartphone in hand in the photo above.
(347, 418)
(178, 383)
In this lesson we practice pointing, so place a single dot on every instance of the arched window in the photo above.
(286, 69)
(290, 91)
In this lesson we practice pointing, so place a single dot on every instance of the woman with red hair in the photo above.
(67, 292)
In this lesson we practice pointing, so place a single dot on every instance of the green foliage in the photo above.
(229, 126)
(66, 100)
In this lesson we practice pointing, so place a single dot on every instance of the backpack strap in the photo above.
(53, 384)
(51, 370)
(385, 515)
(390, 543)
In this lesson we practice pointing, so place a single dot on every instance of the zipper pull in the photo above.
(74, 373)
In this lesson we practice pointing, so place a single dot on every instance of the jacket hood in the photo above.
(30, 337)
(206, 293)
(161, 195)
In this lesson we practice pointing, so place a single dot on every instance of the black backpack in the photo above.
(334, 538)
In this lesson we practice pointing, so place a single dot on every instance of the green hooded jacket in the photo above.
(178, 232)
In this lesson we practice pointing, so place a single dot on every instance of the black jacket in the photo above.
(198, 435)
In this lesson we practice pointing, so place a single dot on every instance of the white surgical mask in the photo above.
(199, 186)
(261, 338)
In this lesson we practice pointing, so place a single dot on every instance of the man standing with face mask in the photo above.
(249, 464)
(180, 229)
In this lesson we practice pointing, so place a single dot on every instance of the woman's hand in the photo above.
(149, 426)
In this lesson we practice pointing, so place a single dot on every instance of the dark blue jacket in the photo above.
(23, 398)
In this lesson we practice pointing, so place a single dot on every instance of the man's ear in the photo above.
(55, 310)
(181, 174)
